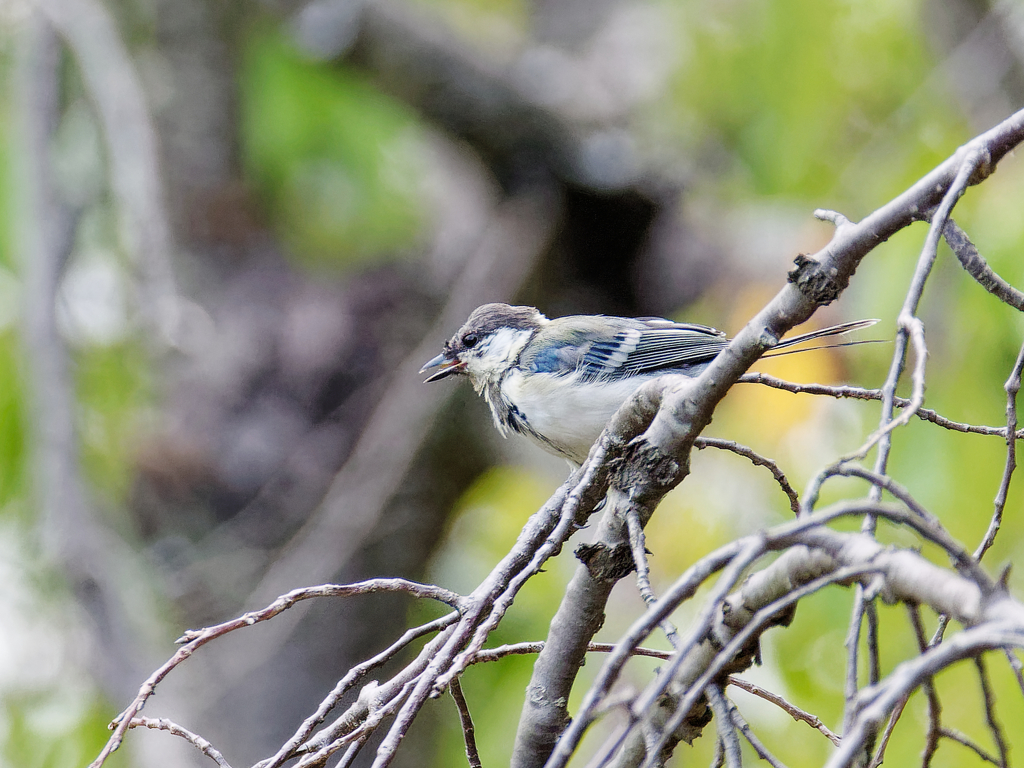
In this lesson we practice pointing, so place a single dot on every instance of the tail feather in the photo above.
(822, 333)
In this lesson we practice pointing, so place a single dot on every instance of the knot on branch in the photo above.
(820, 285)
(643, 467)
(605, 563)
(690, 728)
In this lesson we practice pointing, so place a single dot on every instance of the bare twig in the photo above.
(934, 703)
(909, 326)
(375, 710)
(978, 268)
(941, 589)
(468, 731)
(758, 621)
(515, 649)
(758, 461)
(990, 712)
(163, 724)
(850, 469)
(353, 750)
(542, 538)
(192, 640)
(744, 727)
(790, 709)
(351, 678)
(718, 759)
(959, 738)
(726, 728)
(875, 703)
(643, 572)
(858, 393)
(890, 726)
(1016, 666)
(1012, 388)
(852, 644)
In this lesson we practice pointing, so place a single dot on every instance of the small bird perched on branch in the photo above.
(558, 382)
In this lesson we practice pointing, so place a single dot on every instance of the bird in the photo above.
(558, 382)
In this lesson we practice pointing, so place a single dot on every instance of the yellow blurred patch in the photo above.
(771, 412)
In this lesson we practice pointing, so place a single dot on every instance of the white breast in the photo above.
(567, 413)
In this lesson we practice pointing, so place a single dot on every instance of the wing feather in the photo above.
(606, 348)
(651, 349)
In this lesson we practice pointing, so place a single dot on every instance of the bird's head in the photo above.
(487, 343)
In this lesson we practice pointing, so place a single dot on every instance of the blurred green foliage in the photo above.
(336, 162)
(797, 92)
(113, 390)
(13, 448)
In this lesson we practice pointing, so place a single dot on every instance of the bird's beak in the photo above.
(446, 367)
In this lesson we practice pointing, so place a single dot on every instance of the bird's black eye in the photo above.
(470, 340)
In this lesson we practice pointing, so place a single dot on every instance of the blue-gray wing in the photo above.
(613, 348)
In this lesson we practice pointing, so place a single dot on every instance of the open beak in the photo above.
(446, 366)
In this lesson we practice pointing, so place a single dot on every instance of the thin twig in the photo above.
(790, 709)
(875, 703)
(959, 738)
(851, 469)
(990, 712)
(858, 393)
(852, 644)
(909, 326)
(718, 758)
(541, 538)
(760, 619)
(468, 731)
(353, 676)
(643, 572)
(517, 649)
(890, 726)
(758, 461)
(743, 726)
(192, 640)
(978, 268)
(1017, 666)
(373, 695)
(726, 728)
(377, 712)
(197, 741)
(874, 663)
(1012, 388)
(353, 750)
(934, 703)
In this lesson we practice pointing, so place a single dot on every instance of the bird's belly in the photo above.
(567, 414)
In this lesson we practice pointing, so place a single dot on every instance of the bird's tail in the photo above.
(822, 333)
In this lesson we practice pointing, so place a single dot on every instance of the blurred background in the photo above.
(231, 233)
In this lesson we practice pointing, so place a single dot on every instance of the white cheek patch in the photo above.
(506, 344)
(497, 351)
